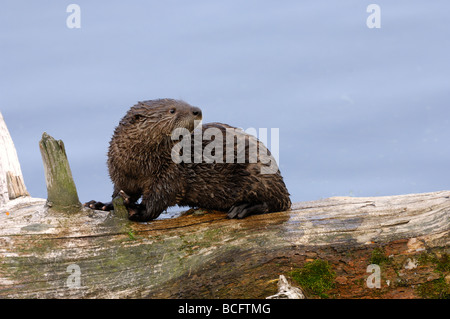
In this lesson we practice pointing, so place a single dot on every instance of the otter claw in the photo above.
(246, 209)
(125, 196)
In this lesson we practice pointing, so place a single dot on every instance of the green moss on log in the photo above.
(119, 208)
(315, 277)
(61, 190)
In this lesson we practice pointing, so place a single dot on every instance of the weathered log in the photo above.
(61, 189)
(92, 254)
(11, 179)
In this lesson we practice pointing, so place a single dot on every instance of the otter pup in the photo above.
(142, 162)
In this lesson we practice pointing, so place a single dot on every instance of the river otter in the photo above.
(142, 163)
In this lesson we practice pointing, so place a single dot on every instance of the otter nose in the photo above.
(196, 111)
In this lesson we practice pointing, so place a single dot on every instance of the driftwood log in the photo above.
(93, 254)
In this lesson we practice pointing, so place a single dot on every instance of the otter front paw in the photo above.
(99, 205)
(246, 209)
(139, 213)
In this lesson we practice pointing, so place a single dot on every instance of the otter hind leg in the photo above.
(246, 209)
(99, 205)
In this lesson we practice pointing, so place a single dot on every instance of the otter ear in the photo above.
(136, 118)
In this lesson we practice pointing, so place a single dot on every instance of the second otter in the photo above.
(140, 163)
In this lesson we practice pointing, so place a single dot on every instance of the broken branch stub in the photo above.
(11, 181)
(119, 207)
(16, 185)
(61, 189)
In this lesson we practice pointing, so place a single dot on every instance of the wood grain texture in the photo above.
(205, 255)
(11, 179)
(61, 189)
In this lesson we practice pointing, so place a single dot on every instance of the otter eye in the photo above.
(137, 117)
(172, 111)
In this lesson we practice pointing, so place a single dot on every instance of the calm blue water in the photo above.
(361, 111)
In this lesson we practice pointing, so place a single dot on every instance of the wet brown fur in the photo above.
(140, 163)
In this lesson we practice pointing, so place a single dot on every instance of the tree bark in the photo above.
(93, 254)
(11, 179)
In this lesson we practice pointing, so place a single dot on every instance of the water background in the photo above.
(361, 112)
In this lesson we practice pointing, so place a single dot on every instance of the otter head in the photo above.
(155, 120)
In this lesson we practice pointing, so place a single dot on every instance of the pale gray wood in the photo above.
(11, 179)
(287, 291)
(203, 254)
